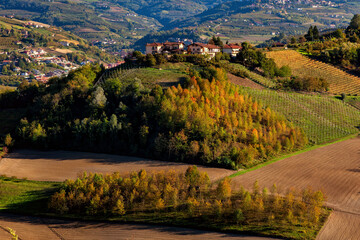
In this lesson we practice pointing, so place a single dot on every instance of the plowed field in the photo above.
(334, 169)
(61, 165)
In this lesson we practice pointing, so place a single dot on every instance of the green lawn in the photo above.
(23, 196)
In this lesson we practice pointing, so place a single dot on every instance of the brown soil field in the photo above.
(63, 51)
(61, 165)
(243, 82)
(334, 169)
(34, 228)
(87, 30)
(341, 225)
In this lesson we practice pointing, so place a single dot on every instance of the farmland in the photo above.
(334, 169)
(39, 188)
(340, 81)
(61, 165)
(321, 117)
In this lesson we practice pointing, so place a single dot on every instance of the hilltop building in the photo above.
(201, 48)
(167, 47)
(232, 49)
(193, 48)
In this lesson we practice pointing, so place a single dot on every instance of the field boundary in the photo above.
(242, 172)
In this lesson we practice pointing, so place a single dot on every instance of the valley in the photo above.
(179, 119)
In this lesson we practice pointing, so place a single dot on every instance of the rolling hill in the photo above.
(340, 81)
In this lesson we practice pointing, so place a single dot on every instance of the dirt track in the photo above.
(61, 165)
(33, 228)
(334, 169)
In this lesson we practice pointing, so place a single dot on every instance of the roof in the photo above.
(210, 46)
(154, 44)
(173, 43)
(233, 46)
(279, 44)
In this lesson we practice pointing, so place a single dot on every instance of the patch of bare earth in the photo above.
(33, 228)
(245, 82)
(61, 165)
(334, 169)
(64, 51)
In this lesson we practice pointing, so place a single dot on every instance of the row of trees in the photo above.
(189, 196)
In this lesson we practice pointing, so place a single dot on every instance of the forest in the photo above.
(204, 121)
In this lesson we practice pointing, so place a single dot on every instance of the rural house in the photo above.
(201, 48)
(153, 48)
(232, 49)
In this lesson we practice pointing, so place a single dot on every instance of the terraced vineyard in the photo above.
(340, 81)
(322, 118)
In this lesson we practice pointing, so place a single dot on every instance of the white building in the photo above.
(203, 49)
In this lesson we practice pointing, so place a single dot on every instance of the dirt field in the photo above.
(243, 82)
(334, 169)
(64, 51)
(61, 165)
(341, 226)
(33, 228)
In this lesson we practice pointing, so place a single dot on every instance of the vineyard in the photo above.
(322, 118)
(266, 82)
(340, 81)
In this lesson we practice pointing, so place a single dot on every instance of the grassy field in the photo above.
(24, 196)
(340, 81)
(166, 74)
(322, 118)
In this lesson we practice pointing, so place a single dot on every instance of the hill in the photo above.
(92, 20)
(238, 20)
(125, 22)
(199, 121)
(340, 81)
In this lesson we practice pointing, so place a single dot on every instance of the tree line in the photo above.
(188, 195)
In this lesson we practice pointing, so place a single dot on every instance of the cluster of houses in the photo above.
(194, 48)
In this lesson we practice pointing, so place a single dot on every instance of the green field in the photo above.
(24, 196)
(166, 74)
(322, 118)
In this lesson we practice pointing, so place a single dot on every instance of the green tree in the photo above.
(355, 22)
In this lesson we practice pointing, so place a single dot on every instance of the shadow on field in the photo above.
(106, 159)
(91, 157)
(102, 230)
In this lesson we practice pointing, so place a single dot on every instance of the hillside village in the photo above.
(35, 51)
(195, 48)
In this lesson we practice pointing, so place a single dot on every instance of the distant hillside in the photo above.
(88, 19)
(17, 35)
(127, 21)
(234, 19)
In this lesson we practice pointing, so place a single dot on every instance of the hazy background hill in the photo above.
(127, 21)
